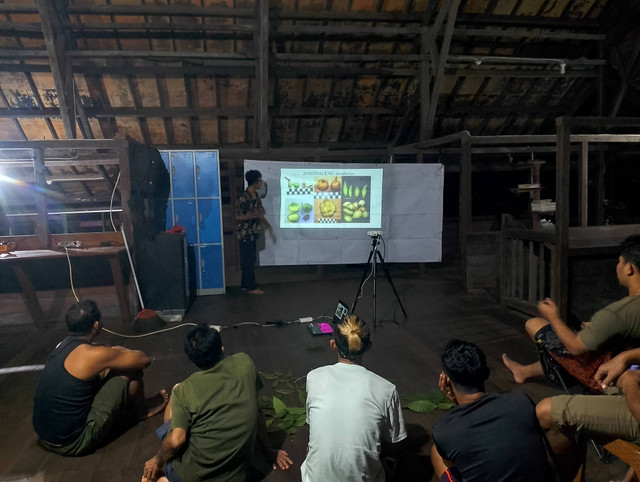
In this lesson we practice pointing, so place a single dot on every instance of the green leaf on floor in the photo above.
(280, 407)
(422, 406)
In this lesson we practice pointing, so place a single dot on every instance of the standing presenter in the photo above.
(250, 218)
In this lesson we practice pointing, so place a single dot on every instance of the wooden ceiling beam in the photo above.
(528, 21)
(413, 31)
(428, 107)
(60, 64)
(148, 10)
(156, 54)
(150, 27)
(198, 112)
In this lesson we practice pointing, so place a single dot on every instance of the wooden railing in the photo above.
(525, 265)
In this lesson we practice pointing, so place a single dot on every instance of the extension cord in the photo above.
(218, 328)
(306, 319)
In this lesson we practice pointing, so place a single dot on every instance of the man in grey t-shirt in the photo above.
(615, 326)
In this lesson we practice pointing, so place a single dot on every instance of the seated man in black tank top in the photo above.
(87, 392)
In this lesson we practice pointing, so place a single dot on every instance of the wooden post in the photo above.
(583, 186)
(560, 258)
(124, 186)
(464, 216)
(41, 225)
(425, 83)
(263, 131)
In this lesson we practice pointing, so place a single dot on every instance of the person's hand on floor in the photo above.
(283, 461)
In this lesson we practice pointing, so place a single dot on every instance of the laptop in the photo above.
(342, 310)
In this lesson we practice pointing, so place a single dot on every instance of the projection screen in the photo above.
(322, 213)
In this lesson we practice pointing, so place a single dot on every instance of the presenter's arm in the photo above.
(549, 311)
(245, 217)
(173, 442)
(264, 221)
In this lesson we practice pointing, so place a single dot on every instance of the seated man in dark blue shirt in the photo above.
(488, 436)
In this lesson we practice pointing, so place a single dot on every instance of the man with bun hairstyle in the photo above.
(351, 412)
(492, 436)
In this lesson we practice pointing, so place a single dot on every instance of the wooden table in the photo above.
(17, 259)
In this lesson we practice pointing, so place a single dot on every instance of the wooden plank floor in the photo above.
(407, 353)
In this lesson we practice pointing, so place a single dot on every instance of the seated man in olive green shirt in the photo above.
(213, 418)
(613, 328)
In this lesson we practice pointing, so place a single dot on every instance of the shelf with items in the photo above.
(539, 207)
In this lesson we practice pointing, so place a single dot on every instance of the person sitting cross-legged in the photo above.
(213, 418)
(88, 392)
(351, 413)
(489, 436)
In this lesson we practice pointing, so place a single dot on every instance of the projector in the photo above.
(374, 234)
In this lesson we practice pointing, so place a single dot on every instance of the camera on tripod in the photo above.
(374, 234)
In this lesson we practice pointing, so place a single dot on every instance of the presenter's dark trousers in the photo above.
(248, 262)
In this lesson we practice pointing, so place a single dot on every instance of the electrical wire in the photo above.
(150, 333)
(71, 275)
(263, 325)
(113, 193)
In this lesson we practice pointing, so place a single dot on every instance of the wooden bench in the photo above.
(107, 246)
(628, 452)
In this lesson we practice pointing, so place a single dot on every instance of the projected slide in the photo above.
(331, 198)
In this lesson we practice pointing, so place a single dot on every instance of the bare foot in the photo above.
(155, 404)
(515, 368)
(257, 291)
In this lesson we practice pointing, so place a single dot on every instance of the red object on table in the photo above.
(176, 229)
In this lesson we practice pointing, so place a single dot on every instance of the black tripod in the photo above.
(374, 256)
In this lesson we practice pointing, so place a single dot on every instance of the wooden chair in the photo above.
(628, 452)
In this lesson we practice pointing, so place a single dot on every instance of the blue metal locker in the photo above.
(184, 214)
(209, 221)
(182, 177)
(195, 204)
(212, 267)
(207, 175)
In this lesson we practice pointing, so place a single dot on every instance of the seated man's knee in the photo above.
(533, 325)
(543, 412)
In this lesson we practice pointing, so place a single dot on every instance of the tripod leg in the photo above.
(364, 276)
(386, 273)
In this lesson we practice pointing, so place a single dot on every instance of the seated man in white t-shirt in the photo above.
(351, 412)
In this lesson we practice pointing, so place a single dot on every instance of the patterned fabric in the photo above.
(248, 230)
(557, 361)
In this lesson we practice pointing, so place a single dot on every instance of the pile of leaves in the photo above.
(432, 400)
(286, 410)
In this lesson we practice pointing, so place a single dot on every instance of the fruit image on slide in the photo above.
(355, 199)
(327, 197)
(327, 211)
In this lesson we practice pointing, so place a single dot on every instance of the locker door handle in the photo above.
(202, 264)
(201, 218)
(175, 218)
(173, 170)
(197, 170)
